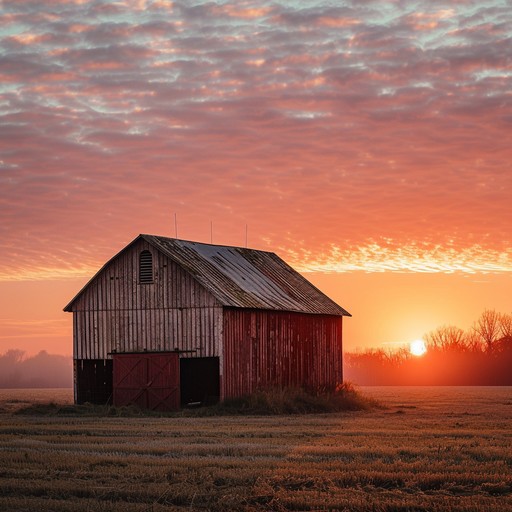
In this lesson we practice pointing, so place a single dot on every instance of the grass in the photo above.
(264, 402)
(431, 449)
(54, 409)
(298, 401)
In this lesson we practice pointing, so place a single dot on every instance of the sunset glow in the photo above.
(417, 348)
(364, 142)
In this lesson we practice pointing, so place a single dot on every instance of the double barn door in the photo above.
(149, 381)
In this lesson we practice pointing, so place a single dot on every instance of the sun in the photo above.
(417, 347)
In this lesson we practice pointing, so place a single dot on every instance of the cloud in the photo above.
(242, 12)
(369, 128)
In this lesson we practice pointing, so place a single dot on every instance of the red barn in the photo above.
(169, 322)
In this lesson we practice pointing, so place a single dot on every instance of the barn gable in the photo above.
(116, 282)
(114, 312)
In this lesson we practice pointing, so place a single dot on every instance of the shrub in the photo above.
(272, 401)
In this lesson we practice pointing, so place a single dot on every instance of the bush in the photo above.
(273, 401)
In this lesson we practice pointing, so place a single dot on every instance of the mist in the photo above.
(40, 371)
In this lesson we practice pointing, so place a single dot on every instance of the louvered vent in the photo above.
(145, 267)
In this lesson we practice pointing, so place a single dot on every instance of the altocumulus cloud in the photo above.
(364, 135)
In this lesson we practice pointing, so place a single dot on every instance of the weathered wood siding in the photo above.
(117, 313)
(268, 348)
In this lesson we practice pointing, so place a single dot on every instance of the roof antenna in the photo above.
(175, 225)
(211, 232)
(246, 236)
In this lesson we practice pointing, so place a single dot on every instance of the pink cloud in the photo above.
(243, 11)
(422, 21)
(337, 22)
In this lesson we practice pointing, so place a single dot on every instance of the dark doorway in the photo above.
(93, 381)
(199, 380)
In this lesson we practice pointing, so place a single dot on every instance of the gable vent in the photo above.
(145, 267)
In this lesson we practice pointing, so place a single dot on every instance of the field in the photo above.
(430, 449)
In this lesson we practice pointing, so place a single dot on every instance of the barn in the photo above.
(169, 322)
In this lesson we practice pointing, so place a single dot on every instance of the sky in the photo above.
(368, 143)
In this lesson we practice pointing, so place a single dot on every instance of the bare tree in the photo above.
(506, 325)
(447, 337)
(505, 343)
(488, 328)
(473, 341)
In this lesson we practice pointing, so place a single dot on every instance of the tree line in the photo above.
(479, 356)
(42, 370)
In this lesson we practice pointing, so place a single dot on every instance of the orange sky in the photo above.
(367, 143)
(389, 309)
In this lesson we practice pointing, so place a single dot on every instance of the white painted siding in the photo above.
(115, 312)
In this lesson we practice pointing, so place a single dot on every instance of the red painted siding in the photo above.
(269, 348)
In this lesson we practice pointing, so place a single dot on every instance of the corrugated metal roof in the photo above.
(247, 278)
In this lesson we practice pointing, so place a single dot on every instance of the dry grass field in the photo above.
(430, 449)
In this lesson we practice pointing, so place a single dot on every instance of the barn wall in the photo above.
(116, 313)
(267, 348)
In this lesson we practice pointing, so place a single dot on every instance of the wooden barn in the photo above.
(169, 322)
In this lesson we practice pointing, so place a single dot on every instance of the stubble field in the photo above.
(430, 449)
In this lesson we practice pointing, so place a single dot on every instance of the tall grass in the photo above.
(274, 401)
(268, 401)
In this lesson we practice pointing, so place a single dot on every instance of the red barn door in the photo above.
(149, 381)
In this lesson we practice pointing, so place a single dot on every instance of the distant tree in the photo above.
(10, 363)
(488, 328)
(481, 355)
(13, 356)
(42, 370)
(505, 325)
(505, 343)
(473, 341)
(395, 357)
(447, 338)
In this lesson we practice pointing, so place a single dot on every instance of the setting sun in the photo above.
(417, 347)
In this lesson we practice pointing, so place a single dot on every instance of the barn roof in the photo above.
(244, 278)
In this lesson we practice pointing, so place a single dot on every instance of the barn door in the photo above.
(149, 381)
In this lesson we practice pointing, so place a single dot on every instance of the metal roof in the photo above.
(247, 278)
(240, 277)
